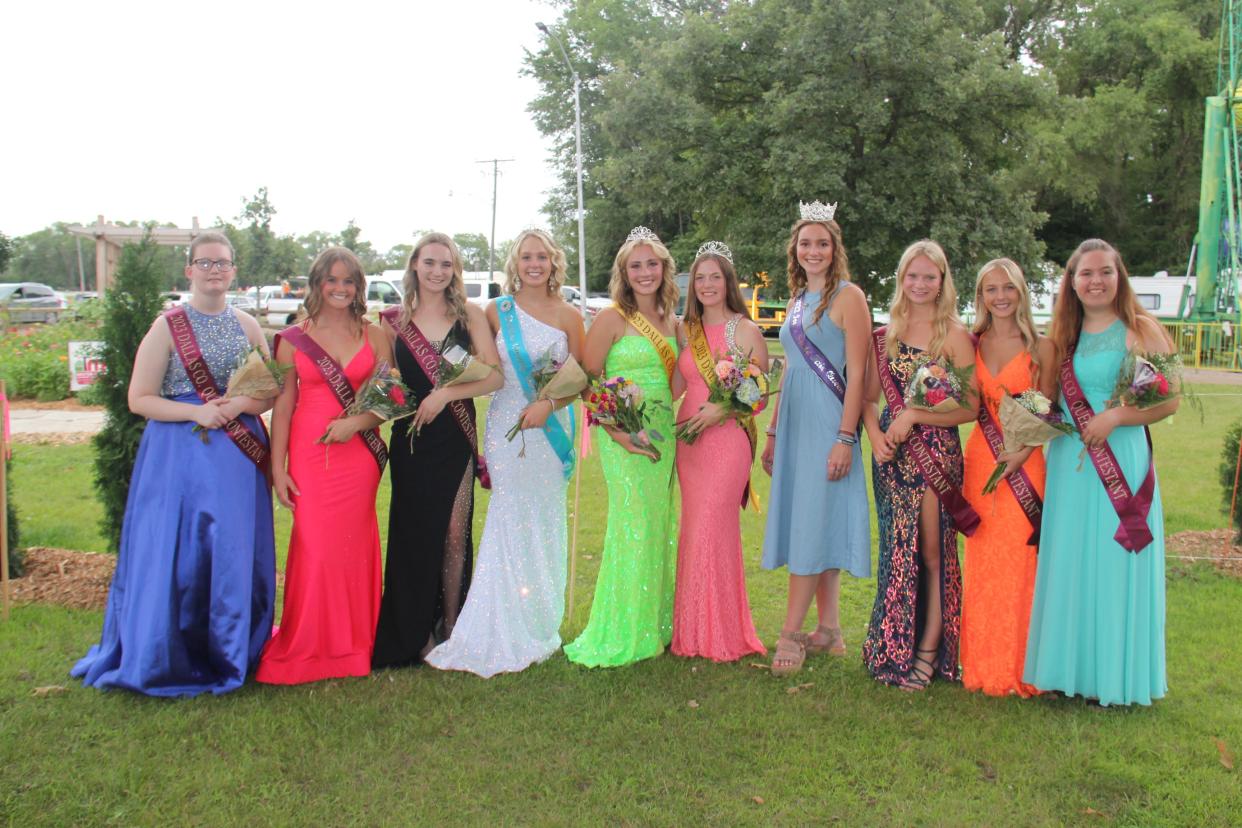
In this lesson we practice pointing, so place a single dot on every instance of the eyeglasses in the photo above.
(222, 265)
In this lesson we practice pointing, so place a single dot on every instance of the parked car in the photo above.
(243, 302)
(481, 287)
(30, 302)
(574, 297)
(173, 298)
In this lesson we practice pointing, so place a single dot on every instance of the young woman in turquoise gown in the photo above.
(632, 614)
(1097, 619)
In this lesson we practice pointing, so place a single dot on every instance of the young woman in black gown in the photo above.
(429, 539)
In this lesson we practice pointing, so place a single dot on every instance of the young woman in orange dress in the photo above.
(998, 577)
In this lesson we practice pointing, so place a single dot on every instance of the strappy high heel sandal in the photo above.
(921, 672)
(790, 651)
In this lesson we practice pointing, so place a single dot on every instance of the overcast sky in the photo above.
(376, 112)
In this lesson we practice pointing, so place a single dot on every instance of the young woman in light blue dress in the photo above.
(818, 519)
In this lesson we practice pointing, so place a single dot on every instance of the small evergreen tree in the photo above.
(16, 558)
(129, 307)
(1228, 473)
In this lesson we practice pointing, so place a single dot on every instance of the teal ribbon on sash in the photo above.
(561, 442)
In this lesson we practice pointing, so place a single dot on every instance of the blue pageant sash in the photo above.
(819, 362)
(561, 442)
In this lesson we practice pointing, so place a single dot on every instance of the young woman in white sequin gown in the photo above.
(512, 616)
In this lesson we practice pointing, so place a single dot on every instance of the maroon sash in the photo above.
(196, 369)
(1132, 533)
(964, 517)
(334, 375)
(427, 358)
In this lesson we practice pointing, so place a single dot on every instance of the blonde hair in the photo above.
(319, 271)
(619, 285)
(732, 293)
(946, 299)
(1067, 312)
(838, 268)
(1022, 317)
(454, 294)
(513, 281)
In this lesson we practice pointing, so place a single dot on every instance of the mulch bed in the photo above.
(1213, 543)
(69, 404)
(51, 438)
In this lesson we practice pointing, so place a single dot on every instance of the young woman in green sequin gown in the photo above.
(632, 614)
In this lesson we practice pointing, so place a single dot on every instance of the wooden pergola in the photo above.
(109, 238)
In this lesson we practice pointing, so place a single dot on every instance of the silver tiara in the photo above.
(641, 233)
(535, 228)
(817, 211)
(715, 248)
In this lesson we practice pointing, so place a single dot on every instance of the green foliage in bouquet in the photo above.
(1228, 474)
(131, 305)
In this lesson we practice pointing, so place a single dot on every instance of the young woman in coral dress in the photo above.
(1097, 618)
(632, 614)
(998, 577)
(189, 609)
(711, 614)
(512, 616)
(818, 519)
(915, 622)
(326, 468)
(430, 547)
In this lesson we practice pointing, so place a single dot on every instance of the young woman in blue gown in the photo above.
(1097, 619)
(190, 606)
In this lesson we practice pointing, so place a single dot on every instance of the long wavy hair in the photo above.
(733, 292)
(1022, 317)
(319, 271)
(454, 293)
(946, 300)
(838, 268)
(513, 280)
(1067, 312)
(619, 285)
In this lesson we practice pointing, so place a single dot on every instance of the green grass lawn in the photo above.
(667, 741)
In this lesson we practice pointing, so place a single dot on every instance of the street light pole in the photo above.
(582, 280)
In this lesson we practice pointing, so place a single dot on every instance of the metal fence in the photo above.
(1209, 346)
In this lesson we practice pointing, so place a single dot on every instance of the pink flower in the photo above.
(1162, 385)
(936, 396)
(397, 395)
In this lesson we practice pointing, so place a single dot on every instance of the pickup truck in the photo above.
(278, 310)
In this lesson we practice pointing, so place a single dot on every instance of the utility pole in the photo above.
(491, 244)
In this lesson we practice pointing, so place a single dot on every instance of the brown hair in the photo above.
(454, 294)
(210, 237)
(319, 271)
(556, 278)
(733, 292)
(1023, 319)
(838, 268)
(946, 300)
(1067, 312)
(619, 285)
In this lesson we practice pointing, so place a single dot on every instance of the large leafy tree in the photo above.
(712, 120)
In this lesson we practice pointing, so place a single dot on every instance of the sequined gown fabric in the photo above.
(711, 613)
(191, 602)
(896, 619)
(430, 548)
(1098, 615)
(512, 616)
(998, 573)
(332, 575)
(632, 614)
(814, 524)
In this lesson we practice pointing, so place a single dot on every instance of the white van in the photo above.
(482, 287)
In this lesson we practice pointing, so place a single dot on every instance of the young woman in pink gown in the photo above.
(711, 615)
(332, 575)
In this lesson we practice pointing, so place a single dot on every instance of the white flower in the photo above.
(748, 392)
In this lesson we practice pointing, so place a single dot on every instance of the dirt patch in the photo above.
(61, 576)
(1214, 544)
(54, 438)
(70, 404)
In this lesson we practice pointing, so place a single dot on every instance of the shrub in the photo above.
(1228, 473)
(16, 559)
(131, 303)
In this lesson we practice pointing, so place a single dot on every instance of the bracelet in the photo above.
(552, 403)
(771, 432)
(847, 439)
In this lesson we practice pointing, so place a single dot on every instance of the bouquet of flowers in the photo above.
(618, 402)
(382, 394)
(1147, 380)
(554, 379)
(939, 385)
(1026, 420)
(457, 366)
(254, 376)
(739, 386)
